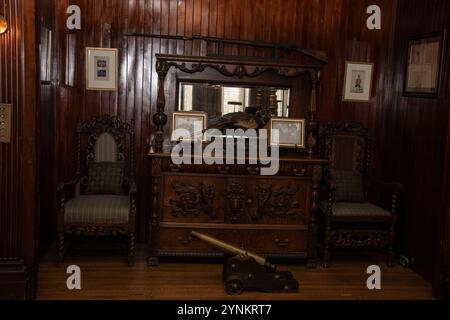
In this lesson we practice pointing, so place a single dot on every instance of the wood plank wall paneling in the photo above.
(10, 89)
(45, 18)
(336, 26)
(416, 137)
(18, 174)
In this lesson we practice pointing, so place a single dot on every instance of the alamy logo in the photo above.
(235, 147)
(374, 281)
(74, 280)
(374, 21)
(74, 20)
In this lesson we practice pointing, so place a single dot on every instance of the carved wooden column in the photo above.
(160, 118)
(313, 227)
(313, 125)
(273, 103)
(156, 211)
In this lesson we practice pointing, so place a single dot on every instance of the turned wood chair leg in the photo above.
(131, 249)
(326, 250)
(60, 258)
(326, 256)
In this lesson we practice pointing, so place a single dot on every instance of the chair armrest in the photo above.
(328, 187)
(395, 186)
(64, 188)
(62, 193)
(329, 193)
(132, 186)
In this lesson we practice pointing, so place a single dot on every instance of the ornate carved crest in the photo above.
(361, 152)
(105, 124)
(237, 201)
(193, 200)
(278, 203)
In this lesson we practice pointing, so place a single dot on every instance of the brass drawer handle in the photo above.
(175, 167)
(185, 240)
(282, 243)
(300, 172)
(224, 169)
(253, 171)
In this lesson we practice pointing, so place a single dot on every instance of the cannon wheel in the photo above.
(234, 286)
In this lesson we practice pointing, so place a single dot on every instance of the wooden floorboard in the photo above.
(106, 276)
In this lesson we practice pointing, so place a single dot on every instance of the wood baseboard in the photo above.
(15, 280)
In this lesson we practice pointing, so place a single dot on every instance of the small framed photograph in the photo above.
(425, 65)
(189, 126)
(291, 132)
(102, 69)
(358, 81)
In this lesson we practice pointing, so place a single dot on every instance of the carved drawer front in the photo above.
(278, 241)
(279, 201)
(180, 240)
(192, 198)
(272, 242)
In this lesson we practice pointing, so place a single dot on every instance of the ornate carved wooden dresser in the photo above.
(271, 215)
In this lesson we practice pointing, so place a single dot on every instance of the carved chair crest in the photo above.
(106, 139)
(347, 146)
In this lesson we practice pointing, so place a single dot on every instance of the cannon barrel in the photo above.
(228, 248)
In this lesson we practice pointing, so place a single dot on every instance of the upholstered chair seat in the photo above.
(364, 209)
(97, 209)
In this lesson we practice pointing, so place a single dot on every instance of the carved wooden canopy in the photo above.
(238, 66)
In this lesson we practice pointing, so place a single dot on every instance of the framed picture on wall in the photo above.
(291, 132)
(189, 126)
(358, 81)
(424, 65)
(46, 55)
(102, 69)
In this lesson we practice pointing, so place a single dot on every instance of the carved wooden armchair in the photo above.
(356, 214)
(101, 199)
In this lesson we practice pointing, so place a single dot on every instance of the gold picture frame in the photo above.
(102, 69)
(188, 116)
(291, 132)
(358, 81)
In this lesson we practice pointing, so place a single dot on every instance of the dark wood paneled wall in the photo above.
(18, 201)
(336, 26)
(46, 28)
(416, 131)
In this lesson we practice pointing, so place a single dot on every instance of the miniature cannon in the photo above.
(246, 271)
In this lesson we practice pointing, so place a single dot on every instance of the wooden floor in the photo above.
(108, 277)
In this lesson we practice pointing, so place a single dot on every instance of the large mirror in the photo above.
(218, 100)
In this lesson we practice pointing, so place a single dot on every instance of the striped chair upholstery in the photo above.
(97, 209)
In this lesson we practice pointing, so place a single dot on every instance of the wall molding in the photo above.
(15, 280)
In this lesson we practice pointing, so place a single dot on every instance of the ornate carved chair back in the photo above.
(108, 139)
(347, 146)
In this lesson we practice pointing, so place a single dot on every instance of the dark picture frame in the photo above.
(425, 65)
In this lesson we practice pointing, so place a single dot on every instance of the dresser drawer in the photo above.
(193, 198)
(188, 198)
(175, 240)
(279, 241)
